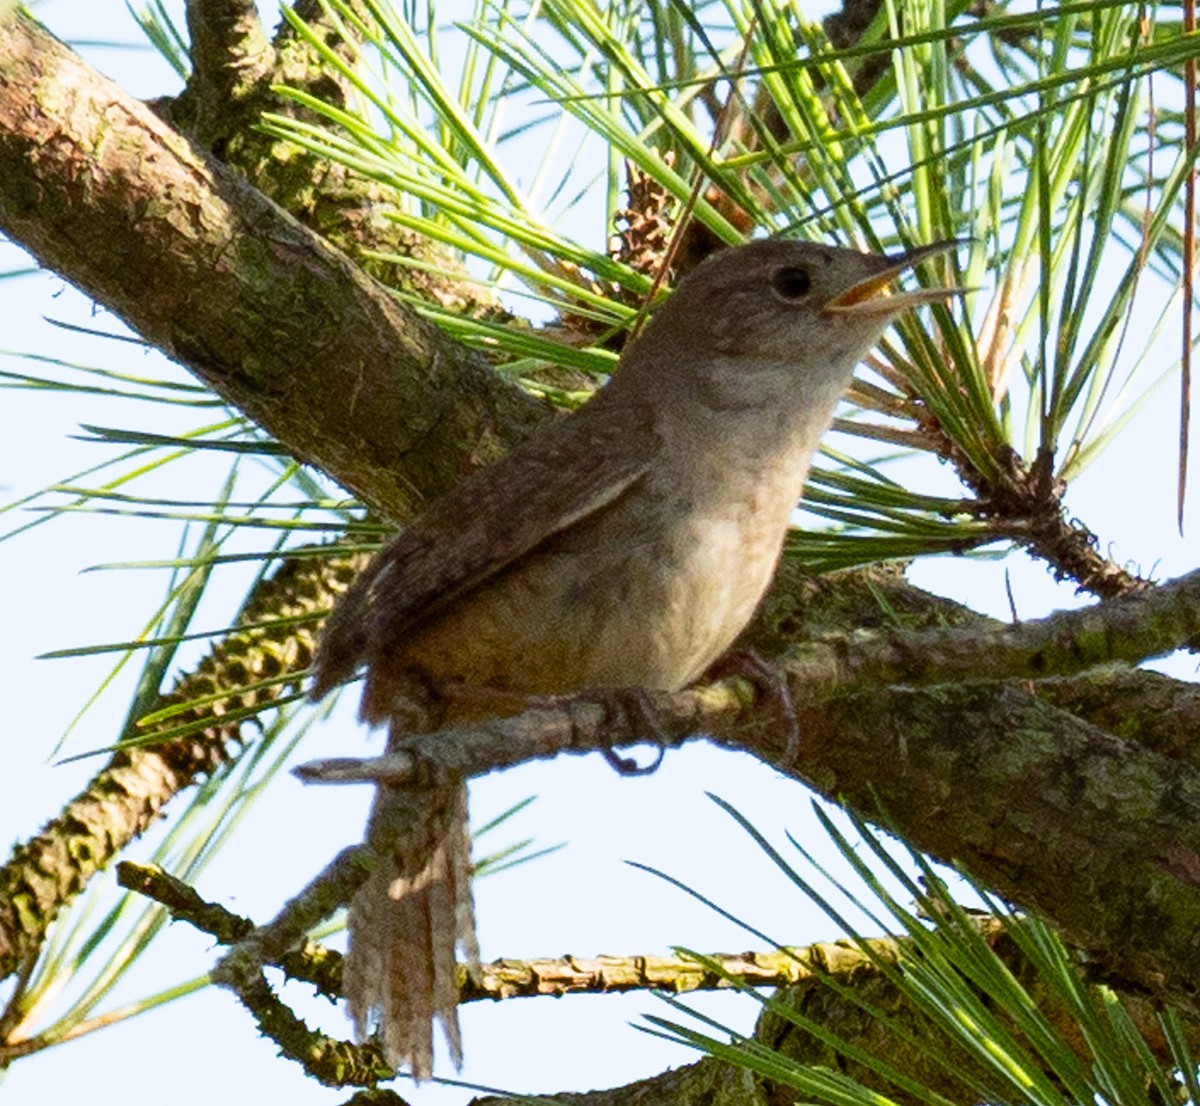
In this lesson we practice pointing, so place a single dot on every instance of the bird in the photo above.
(626, 547)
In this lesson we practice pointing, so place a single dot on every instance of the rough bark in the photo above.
(234, 81)
(289, 331)
(210, 271)
(1096, 833)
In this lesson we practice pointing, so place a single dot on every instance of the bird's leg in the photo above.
(770, 684)
(627, 707)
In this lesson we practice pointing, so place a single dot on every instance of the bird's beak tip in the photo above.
(870, 296)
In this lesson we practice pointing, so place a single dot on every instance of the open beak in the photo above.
(873, 296)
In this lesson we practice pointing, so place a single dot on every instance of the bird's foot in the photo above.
(770, 684)
(631, 708)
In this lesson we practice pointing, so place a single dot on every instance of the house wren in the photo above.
(626, 547)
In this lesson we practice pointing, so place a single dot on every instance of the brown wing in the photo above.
(484, 524)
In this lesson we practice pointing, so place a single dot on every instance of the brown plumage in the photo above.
(625, 547)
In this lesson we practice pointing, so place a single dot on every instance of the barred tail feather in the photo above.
(407, 922)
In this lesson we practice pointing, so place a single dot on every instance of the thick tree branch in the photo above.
(1100, 835)
(234, 83)
(1153, 710)
(1137, 627)
(207, 269)
(1096, 834)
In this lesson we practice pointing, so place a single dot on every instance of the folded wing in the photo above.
(484, 524)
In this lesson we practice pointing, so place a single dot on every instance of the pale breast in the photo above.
(647, 593)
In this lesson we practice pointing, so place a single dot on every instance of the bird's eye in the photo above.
(791, 282)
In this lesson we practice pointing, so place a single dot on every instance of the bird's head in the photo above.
(792, 300)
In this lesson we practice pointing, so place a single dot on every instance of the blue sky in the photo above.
(583, 899)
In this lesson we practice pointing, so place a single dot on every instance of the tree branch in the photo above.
(501, 979)
(1100, 835)
(128, 795)
(231, 58)
(207, 269)
(234, 83)
(1138, 626)
(1148, 708)
(813, 981)
(1134, 628)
